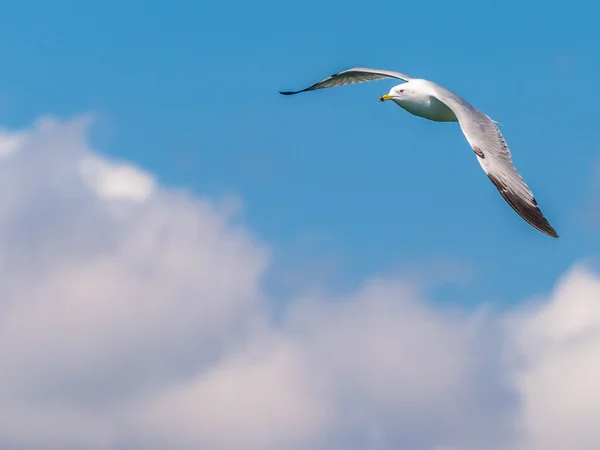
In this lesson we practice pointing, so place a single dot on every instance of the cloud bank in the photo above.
(136, 317)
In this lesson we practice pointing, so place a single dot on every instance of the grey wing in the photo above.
(351, 76)
(495, 158)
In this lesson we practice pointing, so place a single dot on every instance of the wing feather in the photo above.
(495, 158)
(352, 76)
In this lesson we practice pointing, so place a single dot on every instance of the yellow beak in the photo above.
(385, 97)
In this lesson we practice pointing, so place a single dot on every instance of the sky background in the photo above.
(336, 187)
(189, 92)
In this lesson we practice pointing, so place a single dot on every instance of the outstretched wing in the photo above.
(351, 76)
(495, 158)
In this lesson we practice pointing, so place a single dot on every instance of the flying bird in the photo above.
(424, 98)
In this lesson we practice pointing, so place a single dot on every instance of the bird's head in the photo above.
(398, 92)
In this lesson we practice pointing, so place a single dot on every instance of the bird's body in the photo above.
(429, 100)
(422, 104)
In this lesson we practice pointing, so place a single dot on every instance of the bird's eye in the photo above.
(401, 91)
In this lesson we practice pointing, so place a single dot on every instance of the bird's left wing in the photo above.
(495, 158)
(352, 76)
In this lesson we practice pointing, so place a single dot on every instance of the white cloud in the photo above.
(263, 397)
(365, 371)
(10, 142)
(555, 348)
(132, 316)
(102, 301)
(116, 181)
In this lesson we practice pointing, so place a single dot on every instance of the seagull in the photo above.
(424, 98)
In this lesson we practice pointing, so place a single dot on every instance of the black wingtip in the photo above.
(295, 92)
(536, 218)
(530, 212)
(311, 88)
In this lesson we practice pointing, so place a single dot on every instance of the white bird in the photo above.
(431, 101)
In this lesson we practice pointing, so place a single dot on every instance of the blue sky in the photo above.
(348, 304)
(188, 91)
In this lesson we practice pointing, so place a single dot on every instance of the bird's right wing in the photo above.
(351, 76)
(495, 158)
